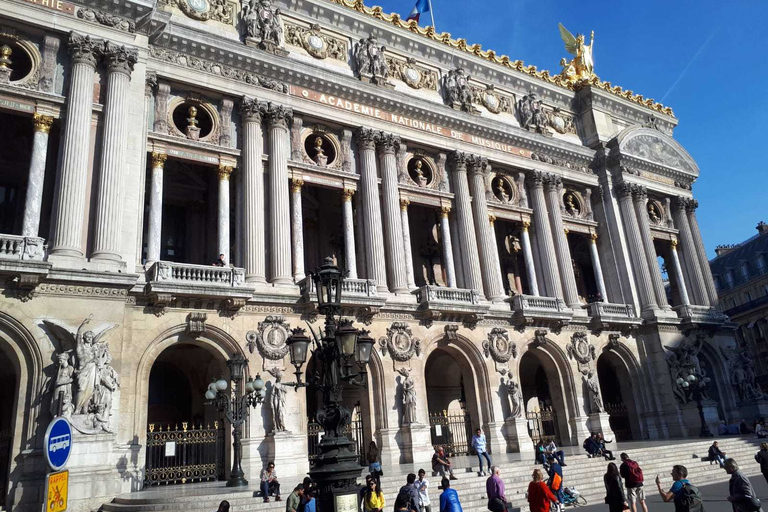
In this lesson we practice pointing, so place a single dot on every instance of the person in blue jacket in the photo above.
(449, 499)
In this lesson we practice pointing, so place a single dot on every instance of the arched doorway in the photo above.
(8, 395)
(618, 396)
(451, 400)
(544, 401)
(186, 439)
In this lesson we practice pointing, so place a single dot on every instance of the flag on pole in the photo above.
(420, 8)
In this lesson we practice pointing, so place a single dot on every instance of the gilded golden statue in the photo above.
(581, 66)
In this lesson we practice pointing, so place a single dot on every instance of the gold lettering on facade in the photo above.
(56, 5)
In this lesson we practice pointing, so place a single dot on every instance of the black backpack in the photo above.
(689, 499)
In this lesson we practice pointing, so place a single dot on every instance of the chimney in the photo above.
(762, 228)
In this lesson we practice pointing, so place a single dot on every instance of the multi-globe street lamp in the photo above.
(694, 385)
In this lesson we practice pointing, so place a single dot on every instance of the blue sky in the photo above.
(707, 60)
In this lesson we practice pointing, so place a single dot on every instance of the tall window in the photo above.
(747, 297)
(760, 264)
(744, 271)
(729, 279)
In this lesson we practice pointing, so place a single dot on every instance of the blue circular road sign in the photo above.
(58, 443)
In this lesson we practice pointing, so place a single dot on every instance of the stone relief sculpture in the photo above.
(593, 390)
(400, 342)
(580, 349)
(498, 346)
(515, 399)
(409, 397)
(270, 338)
(372, 67)
(277, 400)
(655, 149)
(683, 361)
(85, 379)
(531, 115)
(743, 377)
(458, 93)
(262, 24)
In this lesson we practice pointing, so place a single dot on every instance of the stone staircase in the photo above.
(583, 473)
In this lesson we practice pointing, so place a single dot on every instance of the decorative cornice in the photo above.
(106, 19)
(503, 60)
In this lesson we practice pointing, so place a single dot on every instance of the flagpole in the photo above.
(432, 14)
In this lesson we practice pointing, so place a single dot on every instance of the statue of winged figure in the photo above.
(582, 66)
(83, 363)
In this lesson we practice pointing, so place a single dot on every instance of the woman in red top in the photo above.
(539, 495)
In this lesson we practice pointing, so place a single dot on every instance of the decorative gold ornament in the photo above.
(582, 66)
(565, 230)
(224, 171)
(404, 203)
(491, 219)
(5, 57)
(444, 211)
(526, 225)
(347, 194)
(42, 123)
(673, 243)
(158, 159)
(593, 237)
(296, 185)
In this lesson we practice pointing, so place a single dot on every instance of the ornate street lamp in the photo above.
(338, 351)
(694, 386)
(234, 406)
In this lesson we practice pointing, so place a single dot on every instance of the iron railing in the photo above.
(190, 454)
(619, 421)
(542, 424)
(354, 431)
(452, 432)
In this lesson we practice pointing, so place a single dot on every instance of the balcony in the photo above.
(167, 280)
(359, 297)
(747, 306)
(22, 257)
(604, 315)
(701, 315)
(450, 304)
(529, 309)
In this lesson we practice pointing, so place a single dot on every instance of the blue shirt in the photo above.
(449, 501)
(678, 486)
(310, 506)
(478, 443)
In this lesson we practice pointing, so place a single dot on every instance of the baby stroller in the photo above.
(571, 496)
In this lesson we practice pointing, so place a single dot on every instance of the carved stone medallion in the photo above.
(581, 350)
(400, 342)
(270, 338)
(498, 346)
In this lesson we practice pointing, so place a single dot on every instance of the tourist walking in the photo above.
(441, 463)
(479, 444)
(551, 449)
(374, 462)
(741, 493)
(410, 490)
(762, 458)
(555, 478)
(539, 495)
(449, 498)
(373, 499)
(686, 496)
(422, 486)
(294, 499)
(716, 455)
(614, 489)
(269, 483)
(632, 474)
(494, 487)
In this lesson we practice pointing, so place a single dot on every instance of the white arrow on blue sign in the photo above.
(58, 443)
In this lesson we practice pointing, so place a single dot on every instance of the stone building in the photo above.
(502, 228)
(741, 278)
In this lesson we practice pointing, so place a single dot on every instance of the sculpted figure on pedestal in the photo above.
(582, 66)
(515, 399)
(457, 90)
(593, 388)
(531, 115)
(262, 23)
(409, 397)
(277, 400)
(371, 65)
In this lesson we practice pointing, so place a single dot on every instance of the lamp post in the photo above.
(234, 405)
(694, 385)
(340, 349)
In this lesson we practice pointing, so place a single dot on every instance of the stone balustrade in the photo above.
(450, 304)
(430, 293)
(349, 288)
(529, 308)
(605, 314)
(167, 280)
(22, 257)
(25, 248)
(693, 314)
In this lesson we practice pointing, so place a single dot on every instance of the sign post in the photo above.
(58, 448)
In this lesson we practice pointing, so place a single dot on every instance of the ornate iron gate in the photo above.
(619, 421)
(6, 438)
(452, 431)
(354, 431)
(192, 454)
(542, 424)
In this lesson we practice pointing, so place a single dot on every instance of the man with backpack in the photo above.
(633, 480)
(409, 492)
(555, 479)
(686, 496)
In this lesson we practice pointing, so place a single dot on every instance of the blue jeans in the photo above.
(480, 459)
(559, 457)
(719, 460)
(268, 488)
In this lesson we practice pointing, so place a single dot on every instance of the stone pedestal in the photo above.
(494, 435)
(288, 451)
(416, 443)
(389, 451)
(601, 423)
(92, 476)
(579, 430)
(692, 421)
(518, 438)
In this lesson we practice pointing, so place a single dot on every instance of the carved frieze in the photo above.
(494, 101)
(222, 11)
(400, 343)
(412, 74)
(581, 350)
(106, 19)
(315, 42)
(270, 338)
(498, 346)
(458, 92)
(263, 26)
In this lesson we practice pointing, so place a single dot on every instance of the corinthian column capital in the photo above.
(119, 59)
(366, 138)
(459, 160)
(552, 181)
(387, 142)
(537, 178)
(158, 159)
(477, 164)
(224, 171)
(691, 206)
(250, 110)
(624, 189)
(639, 193)
(278, 115)
(83, 49)
(681, 203)
(42, 123)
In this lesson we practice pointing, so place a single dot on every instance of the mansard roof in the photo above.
(748, 251)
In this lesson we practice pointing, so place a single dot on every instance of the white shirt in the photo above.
(423, 494)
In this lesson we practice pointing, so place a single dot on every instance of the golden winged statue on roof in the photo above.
(581, 66)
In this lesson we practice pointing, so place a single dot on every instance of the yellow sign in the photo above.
(57, 485)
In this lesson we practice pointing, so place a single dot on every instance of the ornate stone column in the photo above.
(109, 209)
(224, 172)
(34, 200)
(350, 255)
(467, 239)
(636, 250)
(640, 197)
(393, 229)
(238, 257)
(489, 253)
(530, 268)
(597, 268)
(445, 236)
(407, 243)
(562, 249)
(253, 192)
(678, 271)
(701, 252)
(690, 258)
(155, 221)
(546, 244)
(278, 118)
(297, 230)
(73, 175)
(369, 187)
